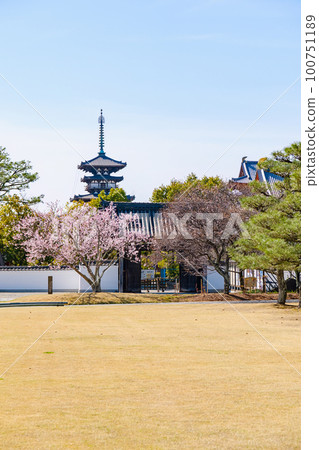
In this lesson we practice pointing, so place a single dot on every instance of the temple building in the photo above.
(249, 171)
(100, 176)
(99, 171)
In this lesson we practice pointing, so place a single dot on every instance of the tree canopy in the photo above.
(115, 195)
(15, 176)
(12, 211)
(80, 235)
(170, 192)
(274, 241)
(203, 223)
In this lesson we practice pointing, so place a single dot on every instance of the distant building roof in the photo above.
(249, 171)
(240, 180)
(91, 196)
(101, 162)
(271, 177)
(149, 214)
(84, 197)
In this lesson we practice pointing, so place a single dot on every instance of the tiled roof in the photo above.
(248, 169)
(150, 216)
(241, 180)
(101, 161)
(99, 177)
(251, 173)
(83, 197)
(272, 177)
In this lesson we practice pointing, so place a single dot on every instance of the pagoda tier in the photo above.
(88, 197)
(101, 178)
(100, 169)
(102, 164)
(98, 183)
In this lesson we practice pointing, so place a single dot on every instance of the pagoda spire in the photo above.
(100, 170)
(101, 121)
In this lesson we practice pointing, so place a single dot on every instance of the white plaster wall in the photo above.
(63, 280)
(109, 280)
(215, 282)
(37, 280)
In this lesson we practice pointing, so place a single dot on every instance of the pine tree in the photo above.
(15, 176)
(274, 241)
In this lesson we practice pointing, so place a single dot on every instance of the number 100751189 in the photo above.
(310, 47)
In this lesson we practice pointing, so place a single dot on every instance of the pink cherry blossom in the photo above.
(81, 236)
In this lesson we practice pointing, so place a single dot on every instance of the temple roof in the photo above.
(247, 171)
(84, 197)
(101, 178)
(240, 179)
(128, 207)
(269, 177)
(250, 168)
(101, 162)
(149, 214)
(88, 197)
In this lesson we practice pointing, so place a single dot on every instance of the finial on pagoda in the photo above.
(101, 121)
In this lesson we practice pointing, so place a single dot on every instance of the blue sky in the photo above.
(178, 81)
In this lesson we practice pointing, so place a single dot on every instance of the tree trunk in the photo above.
(226, 285)
(282, 288)
(226, 277)
(96, 286)
(94, 283)
(299, 304)
(298, 279)
(264, 281)
(242, 280)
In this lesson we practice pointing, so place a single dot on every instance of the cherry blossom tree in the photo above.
(81, 236)
(201, 225)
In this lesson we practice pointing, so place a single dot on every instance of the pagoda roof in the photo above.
(100, 177)
(126, 205)
(84, 197)
(101, 162)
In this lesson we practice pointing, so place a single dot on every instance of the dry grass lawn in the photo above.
(154, 376)
(116, 297)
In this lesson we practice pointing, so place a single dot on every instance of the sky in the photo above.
(178, 80)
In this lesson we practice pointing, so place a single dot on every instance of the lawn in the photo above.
(150, 376)
(116, 297)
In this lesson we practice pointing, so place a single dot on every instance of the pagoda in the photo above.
(99, 171)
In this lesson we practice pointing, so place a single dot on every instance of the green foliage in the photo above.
(11, 212)
(169, 262)
(146, 262)
(284, 162)
(15, 176)
(163, 260)
(274, 241)
(97, 202)
(117, 195)
(173, 190)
